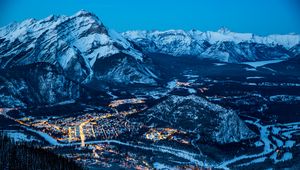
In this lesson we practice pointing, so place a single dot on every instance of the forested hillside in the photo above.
(22, 156)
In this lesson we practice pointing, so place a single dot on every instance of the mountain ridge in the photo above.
(193, 113)
(224, 34)
(73, 43)
(247, 46)
(79, 48)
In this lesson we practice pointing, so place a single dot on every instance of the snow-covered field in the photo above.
(18, 136)
(261, 63)
(276, 140)
(256, 77)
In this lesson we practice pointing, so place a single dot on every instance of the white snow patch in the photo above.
(112, 95)
(66, 102)
(278, 142)
(286, 156)
(47, 137)
(191, 76)
(255, 77)
(219, 64)
(192, 91)
(259, 143)
(250, 69)
(276, 130)
(172, 84)
(160, 166)
(258, 160)
(290, 143)
(20, 137)
(261, 63)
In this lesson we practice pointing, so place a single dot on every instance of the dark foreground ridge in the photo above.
(16, 155)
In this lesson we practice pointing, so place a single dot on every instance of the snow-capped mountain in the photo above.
(222, 45)
(228, 51)
(59, 55)
(78, 44)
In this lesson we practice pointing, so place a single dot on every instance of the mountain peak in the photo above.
(224, 30)
(84, 13)
(79, 44)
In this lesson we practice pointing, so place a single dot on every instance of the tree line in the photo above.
(23, 156)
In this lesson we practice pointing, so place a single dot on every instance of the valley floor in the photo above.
(112, 134)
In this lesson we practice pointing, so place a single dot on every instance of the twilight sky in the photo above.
(257, 16)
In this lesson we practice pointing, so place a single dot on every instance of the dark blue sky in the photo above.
(258, 16)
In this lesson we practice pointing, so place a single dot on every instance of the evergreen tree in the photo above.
(23, 156)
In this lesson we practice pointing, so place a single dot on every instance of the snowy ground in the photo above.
(18, 136)
(261, 63)
(277, 143)
(256, 77)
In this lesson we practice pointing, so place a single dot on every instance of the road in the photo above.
(81, 127)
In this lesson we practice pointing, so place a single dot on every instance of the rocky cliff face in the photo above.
(35, 84)
(195, 114)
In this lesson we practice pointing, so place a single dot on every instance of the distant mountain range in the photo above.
(63, 57)
(223, 45)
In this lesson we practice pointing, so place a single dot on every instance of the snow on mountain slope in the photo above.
(173, 42)
(224, 34)
(223, 51)
(296, 50)
(73, 43)
(222, 45)
(229, 51)
(195, 114)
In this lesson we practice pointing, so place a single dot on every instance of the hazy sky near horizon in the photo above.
(257, 16)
